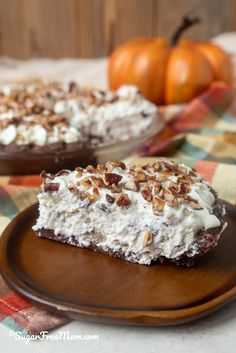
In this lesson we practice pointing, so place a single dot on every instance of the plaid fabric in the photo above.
(201, 134)
(16, 312)
(203, 129)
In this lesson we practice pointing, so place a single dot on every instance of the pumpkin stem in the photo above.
(187, 21)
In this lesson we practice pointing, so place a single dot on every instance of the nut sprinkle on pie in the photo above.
(39, 116)
(157, 212)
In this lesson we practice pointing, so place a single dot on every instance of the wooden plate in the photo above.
(83, 284)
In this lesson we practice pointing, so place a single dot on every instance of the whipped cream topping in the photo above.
(140, 218)
(39, 113)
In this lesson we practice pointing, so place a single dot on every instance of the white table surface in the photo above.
(215, 333)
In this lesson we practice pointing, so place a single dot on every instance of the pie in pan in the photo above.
(52, 116)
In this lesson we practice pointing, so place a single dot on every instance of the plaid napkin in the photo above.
(201, 134)
(205, 128)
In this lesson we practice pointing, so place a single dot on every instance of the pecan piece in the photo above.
(74, 190)
(147, 194)
(73, 88)
(112, 178)
(155, 184)
(45, 175)
(79, 171)
(184, 188)
(86, 183)
(110, 198)
(118, 164)
(147, 238)
(101, 168)
(90, 169)
(174, 188)
(156, 166)
(88, 196)
(115, 164)
(95, 192)
(195, 205)
(97, 181)
(158, 204)
(168, 195)
(51, 187)
(131, 185)
(140, 177)
(115, 188)
(123, 200)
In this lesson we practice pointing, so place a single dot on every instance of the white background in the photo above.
(213, 334)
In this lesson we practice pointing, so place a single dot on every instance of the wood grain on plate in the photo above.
(88, 285)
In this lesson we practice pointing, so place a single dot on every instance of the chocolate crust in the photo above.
(205, 240)
(32, 148)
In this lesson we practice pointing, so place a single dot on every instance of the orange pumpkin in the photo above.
(169, 74)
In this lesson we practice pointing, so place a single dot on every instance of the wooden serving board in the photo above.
(88, 285)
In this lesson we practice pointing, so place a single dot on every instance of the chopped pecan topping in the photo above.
(158, 204)
(88, 196)
(174, 188)
(91, 198)
(51, 187)
(140, 177)
(169, 166)
(138, 169)
(86, 183)
(101, 168)
(79, 171)
(97, 181)
(156, 166)
(95, 192)
(123, 200)
(113, 99)
(184, 188)
(155, 184)
(73, 88)
(147, 238)
(190, 198)
(112, 178)
(90, 169)
(73, 189)
(168, 195)
(131, 185)
(118, 164)
(161, 178)
(193, 173)
(195, 205)
(63, 172)
(45, 175)
(147, 194)
(115, 164)
(115, 188)
(110, 198)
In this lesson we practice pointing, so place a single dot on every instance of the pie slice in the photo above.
(156, 212)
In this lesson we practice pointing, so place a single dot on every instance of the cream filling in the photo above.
(116, 228)
(37, 134)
